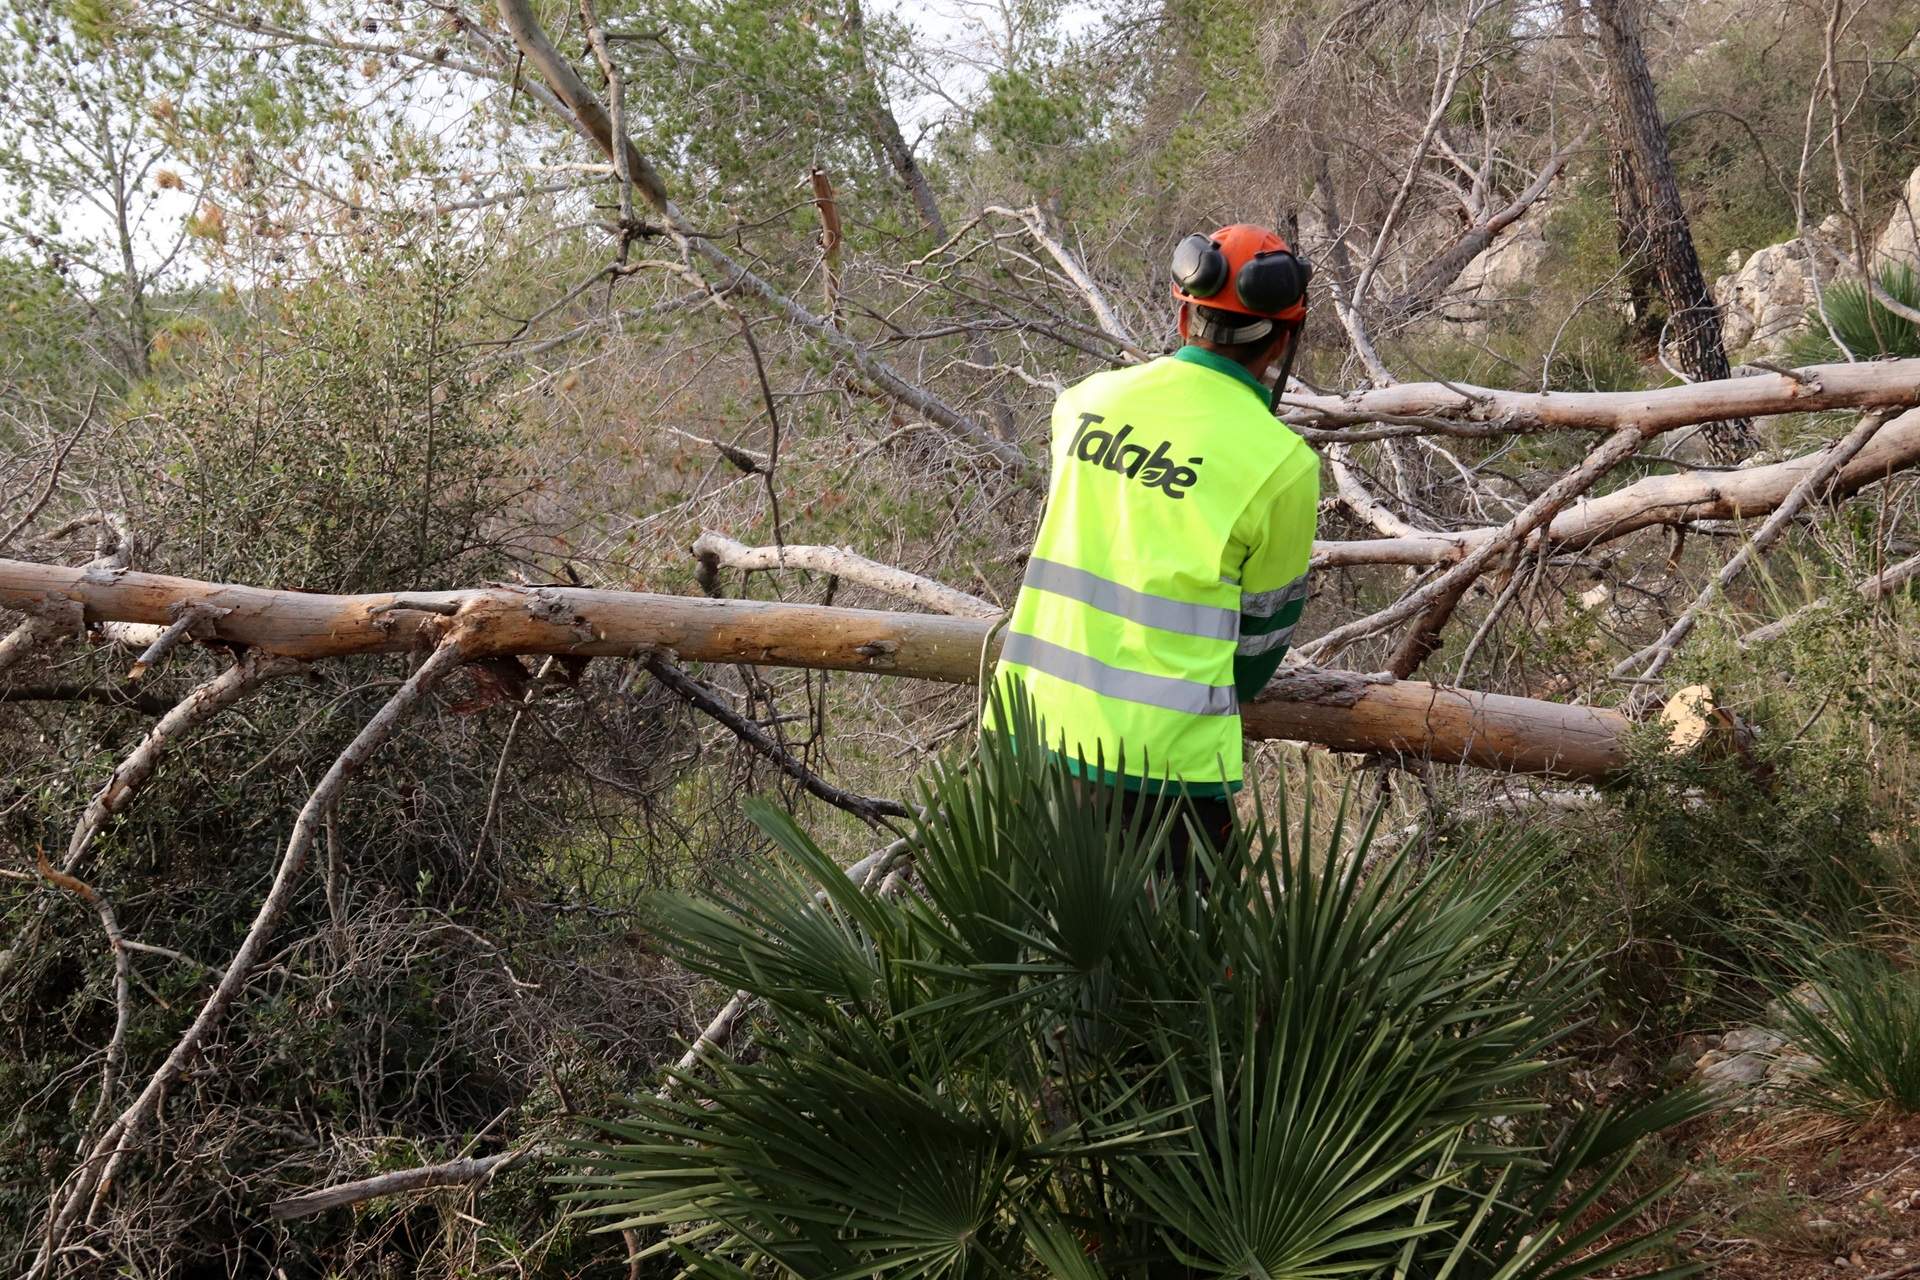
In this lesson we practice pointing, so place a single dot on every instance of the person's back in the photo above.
(1170, 567)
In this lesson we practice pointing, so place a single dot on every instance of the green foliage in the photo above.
(1048, 1059)
(1807, 817)
(742, 96)
(1736, 107)
(356, 443)
(43, 320)
(1858, 1013)
(1860, 322)
(1043, 121)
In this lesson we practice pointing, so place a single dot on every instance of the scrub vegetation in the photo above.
(575, 909)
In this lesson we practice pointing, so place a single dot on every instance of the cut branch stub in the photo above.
(1688, 717)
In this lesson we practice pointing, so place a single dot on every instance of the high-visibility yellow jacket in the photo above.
(1169, 572)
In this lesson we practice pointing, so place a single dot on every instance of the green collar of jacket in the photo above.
(1232, 368)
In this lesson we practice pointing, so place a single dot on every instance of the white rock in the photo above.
(1805, 995)
(1751, 1040)
(1505, 271)
(1899, 240)
(1509, 266)
(1763, 302)
(1731, 1071)
(1791, 1063)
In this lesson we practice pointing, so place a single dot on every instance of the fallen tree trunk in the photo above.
(1878, 384)
(1342, 710)
(1679, 498)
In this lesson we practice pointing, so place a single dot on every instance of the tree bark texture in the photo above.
(1879, 384)
(1669, 240)
(1679, 498)
(1630, 228)
(1342, 710)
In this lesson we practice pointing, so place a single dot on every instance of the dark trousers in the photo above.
(1209, 818)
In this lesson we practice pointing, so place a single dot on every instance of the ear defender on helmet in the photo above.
(1273, 281)
(1269, 283)
(1199, 266)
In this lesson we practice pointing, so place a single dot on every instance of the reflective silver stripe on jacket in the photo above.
(1169, 692)
(1208, 621)
(1252, 645)
(1264, 604)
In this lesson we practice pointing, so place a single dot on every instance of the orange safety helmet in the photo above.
(1243, 269)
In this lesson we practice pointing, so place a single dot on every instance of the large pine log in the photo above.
(1338, 709)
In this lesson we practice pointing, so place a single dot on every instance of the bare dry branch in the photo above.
(716, 549)
(872, 810)
(1875, 586)
(1888, 384)
(93, 1180)
(1075, 271)
(1814, 484)
(1677, 499)
(464, 1172)
(1435, 601)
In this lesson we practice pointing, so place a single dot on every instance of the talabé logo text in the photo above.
(1110, 451)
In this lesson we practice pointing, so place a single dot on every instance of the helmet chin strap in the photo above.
(1286, 370)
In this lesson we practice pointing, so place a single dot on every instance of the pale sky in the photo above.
(959, 42)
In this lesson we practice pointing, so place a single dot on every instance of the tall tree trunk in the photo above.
(136, 336)
(1630, 223)
(1694, 317)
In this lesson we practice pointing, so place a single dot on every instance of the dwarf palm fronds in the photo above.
(1860, 322)
(1047, 1060)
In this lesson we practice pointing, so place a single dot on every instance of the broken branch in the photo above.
(872, 810)
(716, 549)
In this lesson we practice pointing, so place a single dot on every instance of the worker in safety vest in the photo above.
(1171, 565)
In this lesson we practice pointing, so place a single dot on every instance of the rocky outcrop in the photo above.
(1764, 299)
(1504, 272)
(1899, 239)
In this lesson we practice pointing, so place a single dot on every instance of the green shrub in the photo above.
(1046, 1059)
(1861, 323)
(1858, 1014)
(1809, 818)
(355, 439)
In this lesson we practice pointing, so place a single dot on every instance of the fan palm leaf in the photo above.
(1048, 1059)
